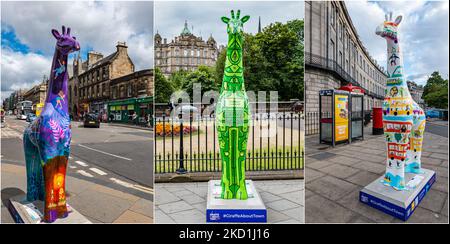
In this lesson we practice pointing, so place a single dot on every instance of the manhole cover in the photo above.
(323, 155)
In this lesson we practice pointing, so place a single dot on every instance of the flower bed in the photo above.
(167, 129)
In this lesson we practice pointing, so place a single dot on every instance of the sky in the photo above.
(205, 16)
(27, 45)
(423, 34)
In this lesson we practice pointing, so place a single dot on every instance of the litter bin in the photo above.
(377, 127)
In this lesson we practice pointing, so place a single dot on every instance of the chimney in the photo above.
(121, 47)
(94, 57)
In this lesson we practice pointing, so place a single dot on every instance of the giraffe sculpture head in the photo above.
(65, 43)
(235, 25)
(389, 28)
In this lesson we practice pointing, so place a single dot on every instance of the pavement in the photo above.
(334, 177)
(186, 202)
(110, 173)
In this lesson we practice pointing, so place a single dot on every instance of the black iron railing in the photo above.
(276, 142)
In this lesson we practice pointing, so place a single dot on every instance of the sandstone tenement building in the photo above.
(185, 52)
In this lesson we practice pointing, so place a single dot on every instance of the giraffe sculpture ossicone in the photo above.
(47, 140)
(232, 113)
(403, 119)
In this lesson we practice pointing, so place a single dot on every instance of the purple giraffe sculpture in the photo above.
(47, 140)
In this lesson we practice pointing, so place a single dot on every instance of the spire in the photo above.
(185, 30)
(259, 24)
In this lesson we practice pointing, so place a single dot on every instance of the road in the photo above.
(437, 128)
(109, 154)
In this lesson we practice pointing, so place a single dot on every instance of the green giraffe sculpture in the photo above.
(232, 114)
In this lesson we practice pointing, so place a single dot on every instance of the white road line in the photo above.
(81, 163)
(129, 185)
(106, 153)
(98, 171)
(70, 157)
(72, 167)
(82, 172)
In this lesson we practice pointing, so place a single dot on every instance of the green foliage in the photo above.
(163, 88)
(205, 76)
(435, 92)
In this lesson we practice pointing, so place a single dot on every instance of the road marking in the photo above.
(98, 171)
(70, 157)
(72, 167)
(134, 186)
(82, 172)
(106, 153)
(81, 163)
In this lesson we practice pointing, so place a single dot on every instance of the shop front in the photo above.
(136, 111)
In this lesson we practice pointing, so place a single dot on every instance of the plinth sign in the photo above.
(405, 183)
(231, 201)
(47, 147)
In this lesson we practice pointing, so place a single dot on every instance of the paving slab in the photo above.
(321, 210)
(189, 216)
(281, 197)
(363, 178)
(339, 171)
(331, 187)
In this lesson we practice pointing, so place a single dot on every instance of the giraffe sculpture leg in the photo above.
(413, 163)
(397, 140)
(233, 135)
(35, 177)
(232, 151)
(55, 181)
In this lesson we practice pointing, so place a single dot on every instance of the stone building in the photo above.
(184, 52)
(416, 92)
(13, 99)
(335, 56)
(90, 86)
(37, 94)
(132, 98)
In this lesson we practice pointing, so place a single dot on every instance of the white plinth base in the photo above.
(400, 204)
(251, 210)
(27, 212)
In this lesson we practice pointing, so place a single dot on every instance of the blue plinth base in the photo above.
(219, 210)
(400, 204)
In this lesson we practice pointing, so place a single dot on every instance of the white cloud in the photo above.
(96, 25)
(20, 71)
(205, 16)
(423, 33)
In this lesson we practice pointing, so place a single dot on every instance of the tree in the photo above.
(177, 79)
(205, 76)
(273, 60)
(163, 88)
(435, 93)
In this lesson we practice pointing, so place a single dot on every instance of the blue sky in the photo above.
(423, 34)
(27, 44)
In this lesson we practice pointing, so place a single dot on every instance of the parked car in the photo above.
(30, 117)
(91, 120)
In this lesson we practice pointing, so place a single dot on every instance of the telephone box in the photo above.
(334, 117)
(357, 111)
